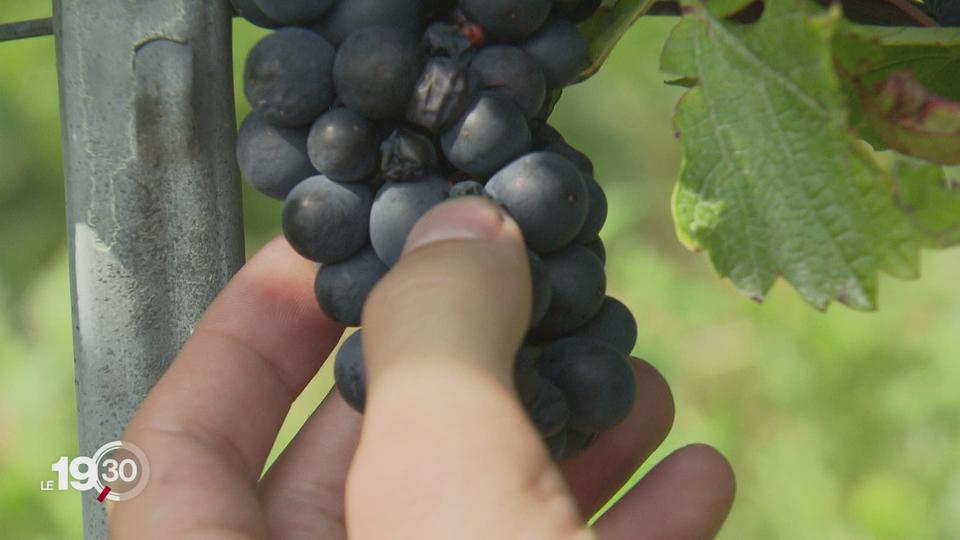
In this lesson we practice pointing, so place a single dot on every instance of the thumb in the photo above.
(460, 293)
(446, 450)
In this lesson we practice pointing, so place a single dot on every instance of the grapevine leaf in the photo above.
(872, 54)
(774, 183)
(605, 28)
(903, 88)
(931, 200)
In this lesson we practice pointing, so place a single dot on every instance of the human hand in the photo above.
(444, 451)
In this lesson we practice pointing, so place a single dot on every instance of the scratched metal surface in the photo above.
(153, 193)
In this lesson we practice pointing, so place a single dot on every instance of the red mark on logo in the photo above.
(103, 494)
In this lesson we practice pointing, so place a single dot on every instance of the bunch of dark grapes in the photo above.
(367, 113)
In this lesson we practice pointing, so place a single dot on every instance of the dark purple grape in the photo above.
(549, 139)
(436, 9)
(291, 12)
(614, 325)
(576, 442)
(579, 289)
(547, 409)
(547, 197)
(377, 69)
(342, 288)
(343, 146)
(325, 221)
(598, 382)
(526, 375)
(507, 20)
(596, 215)
(350, 372)
(249, 10)
(512, 73)
(577, 10)
(490, 134)
(597, 248)
(349, 16)
(560, 50)
(273, 159)
(288, 77)
(557, 445)
(397, 208)
(542, 289)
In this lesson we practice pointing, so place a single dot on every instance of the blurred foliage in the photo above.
(841, 425)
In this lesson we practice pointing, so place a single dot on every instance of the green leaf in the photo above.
(930, 198)
(774, 183)
(605, 28)
(903, 88)
(872, 54)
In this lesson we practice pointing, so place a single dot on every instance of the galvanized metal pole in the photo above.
(153, 194)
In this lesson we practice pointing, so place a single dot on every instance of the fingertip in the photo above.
(687, 495)
(655, 399)
(276, 284)
(466, 218)
(461, 291)
(714, 470)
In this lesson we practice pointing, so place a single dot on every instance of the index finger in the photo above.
(210, 422)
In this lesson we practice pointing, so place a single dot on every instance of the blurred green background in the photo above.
(840, 425)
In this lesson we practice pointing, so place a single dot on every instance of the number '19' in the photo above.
(82, 469)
